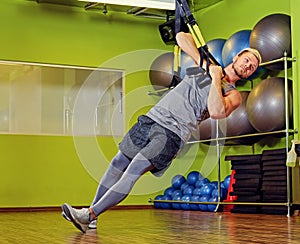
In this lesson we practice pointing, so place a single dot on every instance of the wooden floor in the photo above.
(151, 226)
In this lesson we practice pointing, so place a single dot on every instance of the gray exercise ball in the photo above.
(237, 123)
(206, 129)
(161, 70)
(266, 105)
(272, 37)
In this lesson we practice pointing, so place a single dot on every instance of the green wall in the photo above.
(65, 35)
(295, 13)
(46, 170)
(227, 17)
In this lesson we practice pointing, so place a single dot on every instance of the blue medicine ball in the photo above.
(186, 198)
(227, 182)
(222, 184)
(158, 204)
(177, 193)
(195, 206)
(188, 190)
(222, 193)
(201, 182)
(203, 207)
(207, 189)
(212, 207)
(177, 181)
(215, 183)
(166, 205)
(184, 185)
(193, 176)
(197, 191)
(176, 205)
(169, 191)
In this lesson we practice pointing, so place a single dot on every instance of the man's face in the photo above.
(245, 65)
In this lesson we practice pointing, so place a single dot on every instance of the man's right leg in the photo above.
(114, 172)
(81, 218)
(119, 191)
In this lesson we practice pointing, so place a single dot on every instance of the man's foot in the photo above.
(79, 217)
(92, 225)
(65, 216)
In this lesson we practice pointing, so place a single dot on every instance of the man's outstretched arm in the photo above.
(186, 42)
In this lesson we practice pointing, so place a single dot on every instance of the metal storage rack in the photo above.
(218, 141)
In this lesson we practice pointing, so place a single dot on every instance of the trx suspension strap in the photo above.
(176, 67)
(183, 13)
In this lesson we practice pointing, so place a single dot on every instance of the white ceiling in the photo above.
(195, 5)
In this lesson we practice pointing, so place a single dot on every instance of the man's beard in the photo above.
(236, 71)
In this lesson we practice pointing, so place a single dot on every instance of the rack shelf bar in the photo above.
(243, 136)
(287, 132)
(159, 92)
(286, 102)
(222, 203)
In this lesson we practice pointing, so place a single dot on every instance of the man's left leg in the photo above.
(118, 192)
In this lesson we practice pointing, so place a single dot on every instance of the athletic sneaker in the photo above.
(79, 217)
(92, 225)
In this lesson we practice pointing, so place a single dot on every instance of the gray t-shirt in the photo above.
(183, 108)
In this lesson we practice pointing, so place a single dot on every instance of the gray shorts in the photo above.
(156, 143)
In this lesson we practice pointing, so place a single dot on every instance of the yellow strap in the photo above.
(177, 58)
(198, 34)
(196, 40)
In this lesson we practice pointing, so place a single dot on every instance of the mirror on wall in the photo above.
(60, 100)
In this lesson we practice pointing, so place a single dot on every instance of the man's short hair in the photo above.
(254, 51)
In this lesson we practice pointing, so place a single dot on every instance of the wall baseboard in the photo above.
(55, 209)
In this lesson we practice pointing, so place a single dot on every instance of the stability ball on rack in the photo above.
(161, 71)
(237, 123)
(215, 47)
(266, 105)
(206, 129)
(272, 37)
(234, 44)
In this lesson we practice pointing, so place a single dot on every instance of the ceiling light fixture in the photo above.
(155, 4)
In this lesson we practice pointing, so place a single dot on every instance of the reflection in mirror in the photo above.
(42, 98)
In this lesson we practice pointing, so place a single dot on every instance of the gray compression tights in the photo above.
(118, 181)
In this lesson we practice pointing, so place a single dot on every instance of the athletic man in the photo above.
(153, 142)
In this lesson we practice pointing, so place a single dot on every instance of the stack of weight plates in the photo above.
(248, 175)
